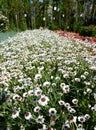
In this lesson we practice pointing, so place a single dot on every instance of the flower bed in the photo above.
(76, 35)
(47, 82)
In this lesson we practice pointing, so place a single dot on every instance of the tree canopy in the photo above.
(54, 14)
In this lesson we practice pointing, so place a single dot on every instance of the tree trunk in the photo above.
(93, 10)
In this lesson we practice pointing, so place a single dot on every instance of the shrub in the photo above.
(87, 30)
(3, 23)
(53, 26)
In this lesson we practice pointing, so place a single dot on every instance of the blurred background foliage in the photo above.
(70, 15)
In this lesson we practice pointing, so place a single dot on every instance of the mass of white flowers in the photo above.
(51, 79)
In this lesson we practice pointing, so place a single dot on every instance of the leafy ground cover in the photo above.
(47, 82)
(5, 35)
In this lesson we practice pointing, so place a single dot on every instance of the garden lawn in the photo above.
(47, 82)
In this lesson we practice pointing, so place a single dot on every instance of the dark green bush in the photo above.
(87, 30)
(53, 26)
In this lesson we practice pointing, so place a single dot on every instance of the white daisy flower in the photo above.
(67, 105)
(66, 76)
(15, 114)
(75, 101)
(43, 100)
(74, 119)
(80, 127)
(40, 68)
(37, 109)
(93, 67)
(87, 83)
(30, 92)
(93, 108)
(37, 92)
(89, 90)
(87, 116)
(46, 84)
(57, 78)
(61, 102)
(66, 126)
(15, 88)
(21, 87)
(40, 119)
(17, 97)
(28, 116)
(86, 73)
(43, 127)
(25, 94)
(77, 79)
(62, 85)
(38, 76)
(83, 77)
(53, 84)
(72, 110)
(66, 89)
(81, 119)
(52, 111)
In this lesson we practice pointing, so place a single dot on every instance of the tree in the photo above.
(30, 14)
(93, 10)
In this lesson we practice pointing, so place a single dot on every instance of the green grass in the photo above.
(5, 35)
